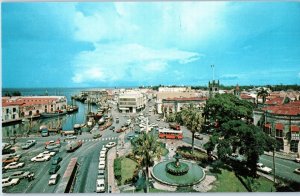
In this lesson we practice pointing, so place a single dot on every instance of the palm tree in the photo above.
(146, 148)
(263, 93)
(193, 120)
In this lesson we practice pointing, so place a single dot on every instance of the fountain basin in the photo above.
(179, 170)
(194, 174)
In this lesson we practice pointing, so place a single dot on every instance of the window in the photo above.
(14, 109)
(294, 145)
(7, 110)
(279, 133)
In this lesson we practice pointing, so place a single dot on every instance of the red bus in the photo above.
(170, 134)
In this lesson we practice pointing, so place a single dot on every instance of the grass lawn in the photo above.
(165, 151)
(228, 182)
(127, 169)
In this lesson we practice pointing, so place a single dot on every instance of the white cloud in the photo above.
(125, 62)
(136, 41)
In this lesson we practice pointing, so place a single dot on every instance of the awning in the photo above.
(295, 128)
(124, 108)
(268, 125)
(279, 126)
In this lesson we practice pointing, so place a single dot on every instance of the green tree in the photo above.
(225, 107)
(248, 140)
(146, 148)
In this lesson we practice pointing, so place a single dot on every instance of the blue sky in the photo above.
(129, 43)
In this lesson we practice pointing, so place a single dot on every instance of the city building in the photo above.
(131, 101)
(282, 121)
(213, 87)
(164, 95)
(15, 108)
(170, 105)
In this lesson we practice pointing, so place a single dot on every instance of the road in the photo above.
(284, 168)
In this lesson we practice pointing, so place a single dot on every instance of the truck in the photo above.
(174, 126)
(73, 146)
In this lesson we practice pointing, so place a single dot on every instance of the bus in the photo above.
(170, 134)
(68, 179)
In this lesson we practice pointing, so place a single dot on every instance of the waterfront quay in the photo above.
(126, 121)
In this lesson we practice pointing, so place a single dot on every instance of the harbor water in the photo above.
(66, 121)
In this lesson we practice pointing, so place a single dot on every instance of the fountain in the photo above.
(177, 168)
(178, 173)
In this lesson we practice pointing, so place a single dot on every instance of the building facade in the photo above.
(131, 102)
(26, 107)
(283, 123)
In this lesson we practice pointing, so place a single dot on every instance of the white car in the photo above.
(8, 181)
(100, 187)
(53, 179)
(48, 153)
(111, 144)
(101, 165)
(102, 155)
(40, 158)
(297, 160)
(14, 165)
(263, 168)
(101, 159)
(104, 149)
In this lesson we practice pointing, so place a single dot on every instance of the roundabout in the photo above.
(178, 173)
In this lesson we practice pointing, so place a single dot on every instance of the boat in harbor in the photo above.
(71, 109)
(53, 114)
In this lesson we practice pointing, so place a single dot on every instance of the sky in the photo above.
(108, 44)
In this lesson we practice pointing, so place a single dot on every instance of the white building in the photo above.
(131, 101)
(174, 89)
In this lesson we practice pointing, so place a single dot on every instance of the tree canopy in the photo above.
(226, 107)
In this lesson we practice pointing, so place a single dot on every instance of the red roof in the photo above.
(28, 101)
(187, 99)
(287, 109)
(275, 101)
(295, 128)
(245, 96)
(279, 126)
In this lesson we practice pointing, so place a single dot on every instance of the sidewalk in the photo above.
(110, 170)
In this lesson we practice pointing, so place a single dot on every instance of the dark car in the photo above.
(56, 160)
(112, 128)
(54, 169)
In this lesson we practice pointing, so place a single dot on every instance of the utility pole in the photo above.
(213, 69)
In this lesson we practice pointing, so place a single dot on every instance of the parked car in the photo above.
(98, 135)
(198, 136)
(102, 154)
(40, 158)
(22, 174)
(297, 160)
(297, 170)
(261, 167)
(10, 181)
(101, 159)
(101, 165)
(56, 159)
(131, 136)
(112, 128)
(10, 159)
(110, 144)
(100, 187)
(28, 144)
(14, 165)
(101, 174)
(48, 153)
(104, 149)
(53, 179)
(54, 168)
